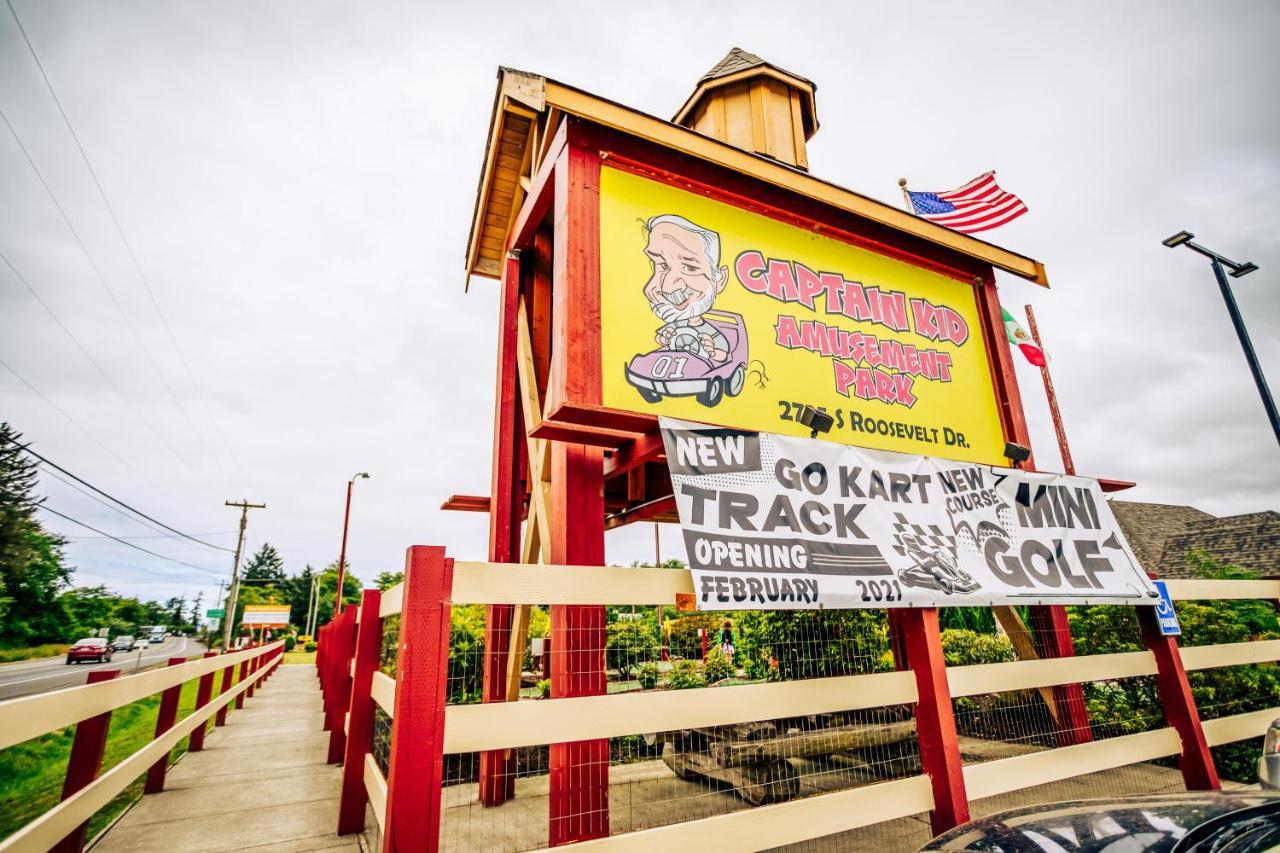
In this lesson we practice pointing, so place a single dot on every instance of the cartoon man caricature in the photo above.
(686, 279)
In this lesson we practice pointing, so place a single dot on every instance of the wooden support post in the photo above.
(343, 648)
(1196, 762)
(935, 722)
(253, 681)
(579, 776)
(416, 766)
(368, 650)
(221, 718)
(897, 638)
(203, 694)
(244, 673)
(1052, 634)
(165, 718)
(497, 767)
(85, 760)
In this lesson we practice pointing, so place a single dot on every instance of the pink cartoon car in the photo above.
(680, 369)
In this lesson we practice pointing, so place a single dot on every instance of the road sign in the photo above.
(216, 613)
(1169, 626)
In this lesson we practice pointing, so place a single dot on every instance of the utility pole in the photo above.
(219, 600)
(311, 607)
(229, 615)
(342, 555)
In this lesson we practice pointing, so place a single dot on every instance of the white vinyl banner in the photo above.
(773, 522)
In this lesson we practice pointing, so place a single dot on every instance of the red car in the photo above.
(90, 648)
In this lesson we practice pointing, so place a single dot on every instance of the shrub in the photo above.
(961, 647)
(648, 675)
(629, 645)
(717, 667)
(309, 647)
(544, 688)
(686, 674)
(685, 642)
(813, 643)
(289, 643)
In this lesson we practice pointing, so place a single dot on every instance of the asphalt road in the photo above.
(44, 674)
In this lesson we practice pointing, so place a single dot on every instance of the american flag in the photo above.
(976, 206)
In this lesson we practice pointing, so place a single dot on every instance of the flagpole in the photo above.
(1068, 465)
(906, 197)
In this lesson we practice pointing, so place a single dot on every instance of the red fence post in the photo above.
(253, 672)
(368, 650)
(414, 773)
(343, 647)
(203, 693)
(165, 718)
(1198, 770)
(221, 718)
(935, 721)
(85, 760)
(244, 673)
(579, 771)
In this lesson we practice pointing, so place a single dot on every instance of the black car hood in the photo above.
(1151, 824)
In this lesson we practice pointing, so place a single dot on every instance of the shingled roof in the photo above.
(1163, 536)
(737, 60)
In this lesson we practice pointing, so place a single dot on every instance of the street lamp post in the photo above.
(342, 556)
(1184, 238)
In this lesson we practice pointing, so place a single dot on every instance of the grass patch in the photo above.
(32, 772)
(299, 657)
(49, 650)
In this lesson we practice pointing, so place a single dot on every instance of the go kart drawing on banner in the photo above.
(777, 522)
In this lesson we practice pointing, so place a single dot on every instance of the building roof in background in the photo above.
(1163, 536)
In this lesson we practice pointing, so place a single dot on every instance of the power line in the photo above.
(129, 544)
(142, 276)
(101, 371)
(115, 300)
(116, 500)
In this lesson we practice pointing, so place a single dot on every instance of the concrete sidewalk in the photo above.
(261, 783)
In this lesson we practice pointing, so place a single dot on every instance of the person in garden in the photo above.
(726, 639)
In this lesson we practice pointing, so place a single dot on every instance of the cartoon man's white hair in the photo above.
(710, 240)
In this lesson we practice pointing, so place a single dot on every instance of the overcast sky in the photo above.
(296, 180)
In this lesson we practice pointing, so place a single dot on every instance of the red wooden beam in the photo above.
(204, 692)
(85, 760)
(1196, 762)
(344, 647)
(165, 718)
(541, 195)
(498, 767)
(466, 503)
(634, 454)
(368, 651)
(244, 672)
(220, 718)
(417, 727)
(935, 722)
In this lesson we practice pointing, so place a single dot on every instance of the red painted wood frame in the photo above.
(368, 650)
(220, 719)
(204, 692)
(165, 718)
(85, 760)
(344, 640)
(498, 767)
(244, 672)
(935, 721)
(416, 767)
(1051, 633)
(1199, 773)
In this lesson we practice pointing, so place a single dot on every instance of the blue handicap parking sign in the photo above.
(1169, 626)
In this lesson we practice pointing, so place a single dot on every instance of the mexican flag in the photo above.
(1020, 339)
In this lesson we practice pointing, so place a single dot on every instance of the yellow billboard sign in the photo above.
(714, 313)
(265, 616)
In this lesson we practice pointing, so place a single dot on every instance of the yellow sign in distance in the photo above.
(717, 314)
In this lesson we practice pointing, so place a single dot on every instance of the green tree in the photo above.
(385, 580)
(32, 570)
(265, 565)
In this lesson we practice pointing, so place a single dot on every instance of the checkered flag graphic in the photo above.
(929, 538)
